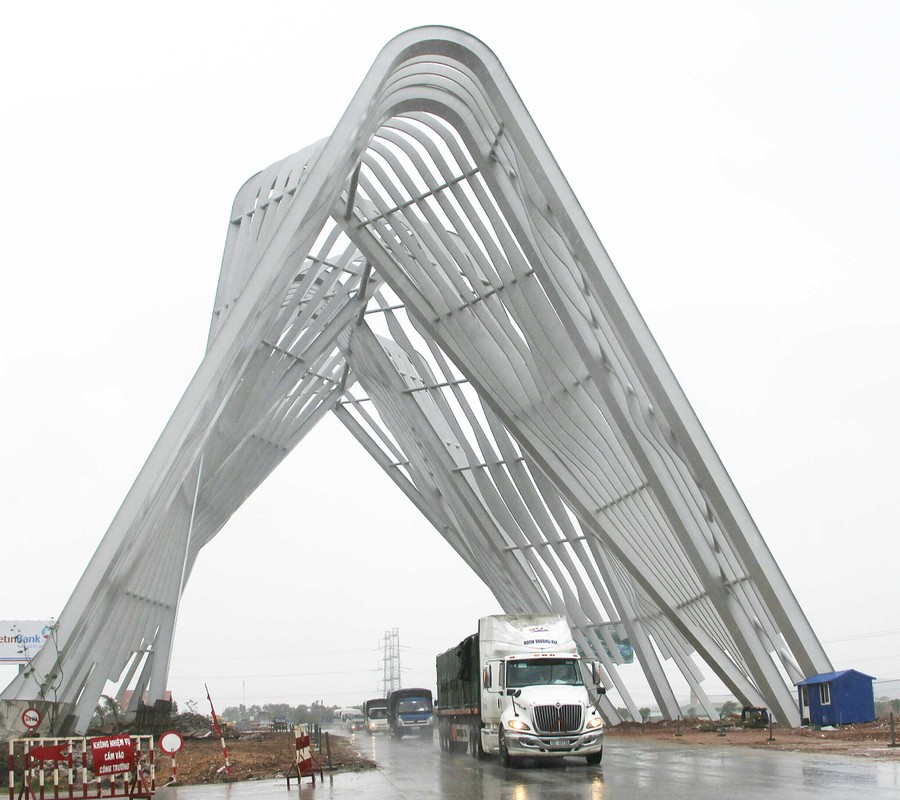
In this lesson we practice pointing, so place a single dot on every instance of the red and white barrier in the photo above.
(79, 767)
(305, 763)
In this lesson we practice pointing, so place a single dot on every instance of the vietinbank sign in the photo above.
(20, 640)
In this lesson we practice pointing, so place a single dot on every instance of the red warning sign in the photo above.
(112, 755)
(31, 718)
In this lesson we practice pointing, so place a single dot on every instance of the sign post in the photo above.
(171, 742)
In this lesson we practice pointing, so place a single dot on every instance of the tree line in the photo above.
(296, 714)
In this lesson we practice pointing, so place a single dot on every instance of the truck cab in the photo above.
(517, 687)
(538, 706)
(410, 711)
(376, 714)
(534, 701)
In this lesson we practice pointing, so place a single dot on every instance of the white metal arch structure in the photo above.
(427, 274)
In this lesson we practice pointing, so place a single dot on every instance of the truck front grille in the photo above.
(557, 719)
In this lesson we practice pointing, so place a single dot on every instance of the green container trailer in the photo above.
(458, 703)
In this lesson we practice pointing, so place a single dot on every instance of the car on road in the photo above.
(355, 722)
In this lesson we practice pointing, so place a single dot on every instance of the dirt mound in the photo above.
(265, 756)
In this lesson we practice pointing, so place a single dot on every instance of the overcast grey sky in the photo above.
(738, 160)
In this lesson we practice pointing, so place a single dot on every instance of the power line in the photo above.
(255, 700)
(262, 656)
(861, 636)
(876, 658)
(270, 675)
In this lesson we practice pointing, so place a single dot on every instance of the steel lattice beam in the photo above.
(427, 275)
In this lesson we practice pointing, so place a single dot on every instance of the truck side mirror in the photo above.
(514, 692)
(486, 677)
(601, 690)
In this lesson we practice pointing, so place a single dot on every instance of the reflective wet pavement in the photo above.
(416, 770)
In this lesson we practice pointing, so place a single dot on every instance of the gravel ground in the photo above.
(869, 740)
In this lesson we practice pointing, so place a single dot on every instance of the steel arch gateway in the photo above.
(427, 275)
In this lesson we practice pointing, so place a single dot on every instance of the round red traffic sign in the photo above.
(171, 742)
(31, 718)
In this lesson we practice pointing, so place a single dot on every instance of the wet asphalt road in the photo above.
(416, 770)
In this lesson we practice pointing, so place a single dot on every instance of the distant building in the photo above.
(128, 694)
(836, 698)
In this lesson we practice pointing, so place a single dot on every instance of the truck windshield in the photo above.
(414, 705)
(543, 672)
(378, 713)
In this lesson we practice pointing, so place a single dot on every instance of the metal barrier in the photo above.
(63, 768)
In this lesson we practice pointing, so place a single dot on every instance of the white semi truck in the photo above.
(516, 688)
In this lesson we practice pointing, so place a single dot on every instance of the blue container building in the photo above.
(837, 698)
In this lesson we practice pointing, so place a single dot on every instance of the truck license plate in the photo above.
(558, 742)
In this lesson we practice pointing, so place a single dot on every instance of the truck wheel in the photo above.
(594, 758)
(505, 757)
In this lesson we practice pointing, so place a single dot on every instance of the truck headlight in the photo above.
(596, 722)
(518, 725)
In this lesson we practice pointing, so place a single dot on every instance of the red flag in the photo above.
(215, 718)
(218, 731)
